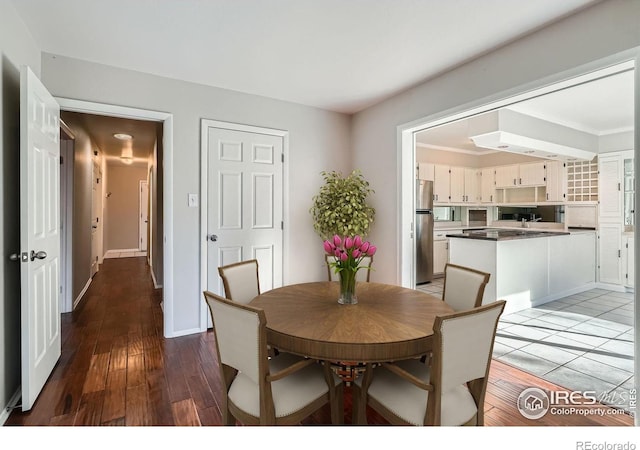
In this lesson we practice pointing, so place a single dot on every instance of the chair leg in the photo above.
(359, 401)
(337, 405)
(227, 418)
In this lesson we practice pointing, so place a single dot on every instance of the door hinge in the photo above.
(282, 225)
(281, 157)
(61, 160)
(619, 253)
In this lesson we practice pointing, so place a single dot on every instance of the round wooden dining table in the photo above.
(388, 323)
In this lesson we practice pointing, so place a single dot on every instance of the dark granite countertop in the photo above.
(501, 234)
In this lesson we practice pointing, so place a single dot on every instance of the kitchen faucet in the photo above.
(533, 219)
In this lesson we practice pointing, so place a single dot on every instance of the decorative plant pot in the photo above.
(348, 287)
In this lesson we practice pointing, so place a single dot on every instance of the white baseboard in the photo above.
(84, 291)
(6, 411)
(155, 282)
(611, 287)
(115, 253)
(514, 306)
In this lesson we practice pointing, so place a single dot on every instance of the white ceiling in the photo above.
(333, 54)
(102, 129)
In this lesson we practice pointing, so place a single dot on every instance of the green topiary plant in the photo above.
(340, 206)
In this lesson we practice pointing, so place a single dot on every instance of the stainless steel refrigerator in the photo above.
(424, 231)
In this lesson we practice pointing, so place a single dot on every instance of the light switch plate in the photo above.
(193, 200)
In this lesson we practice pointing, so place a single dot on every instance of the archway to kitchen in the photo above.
(598, 344)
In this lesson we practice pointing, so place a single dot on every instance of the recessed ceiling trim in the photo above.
(457, 150)
(515, 143)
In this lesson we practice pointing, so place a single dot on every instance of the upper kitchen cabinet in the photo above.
(455, 184)
(507, 176)
(532, 174)
(611, 168)
(556, 181)
(441, 184)
(520, 175)
(426, 171)
(487, 185)
(471, 187)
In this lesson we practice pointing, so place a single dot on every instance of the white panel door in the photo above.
(39, 234)
(143, 218)
(96, 208)
(244, 204)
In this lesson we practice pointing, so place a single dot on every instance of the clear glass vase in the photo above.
(348, 287)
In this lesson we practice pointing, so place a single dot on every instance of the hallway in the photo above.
(117, 368)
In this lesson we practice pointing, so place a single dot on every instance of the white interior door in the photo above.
(244, 208)
(96, 209)
(39, 234)
(144, 215)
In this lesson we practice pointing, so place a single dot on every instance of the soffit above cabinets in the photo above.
(510, 131)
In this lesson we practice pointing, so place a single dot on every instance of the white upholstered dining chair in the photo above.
(449, 392)
(258, 390)
(240, 280)
(463, 286)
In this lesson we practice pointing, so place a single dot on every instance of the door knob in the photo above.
(39, 255)
(213, 237)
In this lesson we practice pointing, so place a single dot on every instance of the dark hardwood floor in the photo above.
(117, 369)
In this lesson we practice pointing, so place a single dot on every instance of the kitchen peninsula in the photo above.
(528, 267)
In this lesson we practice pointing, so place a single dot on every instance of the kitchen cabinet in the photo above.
(628, 263)
(531, 174)
(520, 175)
(426, 171)
(441, 184)
(613, 260)
(556, 181)
(610, 253)
(487, 185)
(440, 251)
(463, 184)
(471, 185)
(456, 184)
(610, 186)
(506, 176)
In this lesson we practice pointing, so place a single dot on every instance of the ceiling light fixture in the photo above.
(127, 154)
(123, 136)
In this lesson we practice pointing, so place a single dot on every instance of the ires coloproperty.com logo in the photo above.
(534, 403)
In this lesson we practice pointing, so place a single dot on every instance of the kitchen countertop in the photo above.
(503, 234)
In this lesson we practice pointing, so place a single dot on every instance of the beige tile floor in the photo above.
(581, 342)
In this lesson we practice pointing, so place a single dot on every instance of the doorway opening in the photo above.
(108, 215)
(559, 335)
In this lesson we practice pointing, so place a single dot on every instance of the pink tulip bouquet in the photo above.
(348, 254)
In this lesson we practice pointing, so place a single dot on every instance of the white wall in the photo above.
(602, 30)
(17, 47)
(319, 140)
